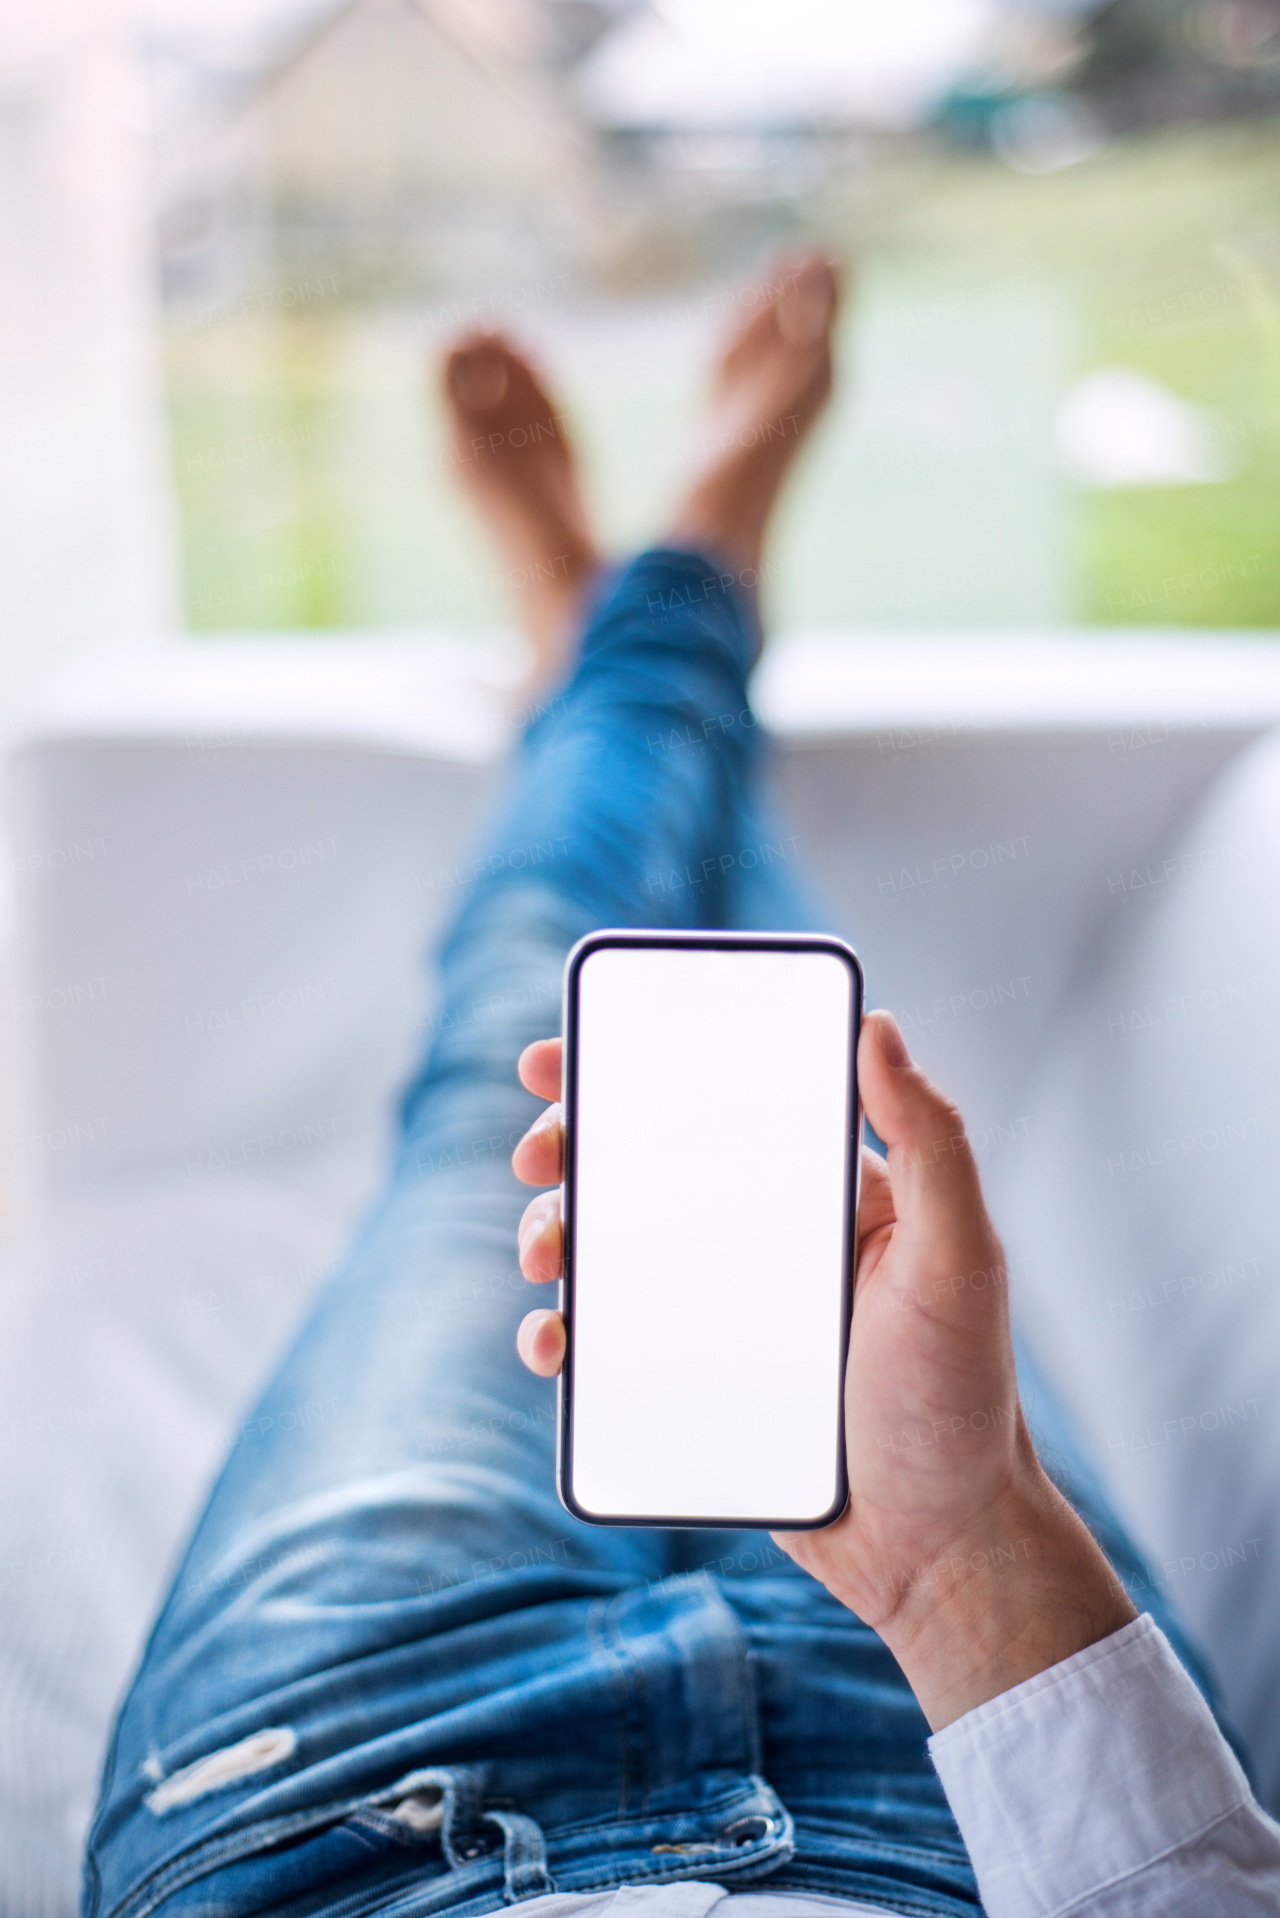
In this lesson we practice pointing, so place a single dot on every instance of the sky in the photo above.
(718, 63)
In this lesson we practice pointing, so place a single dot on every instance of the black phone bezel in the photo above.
(716, 941)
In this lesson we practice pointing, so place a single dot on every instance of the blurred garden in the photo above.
(1060, 379)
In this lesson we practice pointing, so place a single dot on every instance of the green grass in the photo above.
(1165, 254)
(255, 418)
(310, 495)
(1218, 541)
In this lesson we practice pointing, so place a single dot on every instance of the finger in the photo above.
(540, 1067)
(539, 1157)
(930, 1162)
(540, 1342)
(875, 1201)
(541, 1239)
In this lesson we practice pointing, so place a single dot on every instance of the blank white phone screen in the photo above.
(713, 1126)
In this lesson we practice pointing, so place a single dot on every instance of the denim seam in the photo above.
(209, 1854)
(717, 1868)
(620, 1671)
(642, 1715)
(751, 1730)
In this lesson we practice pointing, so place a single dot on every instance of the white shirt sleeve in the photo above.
(1102, 1788)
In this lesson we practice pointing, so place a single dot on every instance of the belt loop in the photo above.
(524, 1856)
(461, 1826)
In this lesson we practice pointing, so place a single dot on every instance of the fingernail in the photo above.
(530, 1230)
(537, 1222)
(893, 1047)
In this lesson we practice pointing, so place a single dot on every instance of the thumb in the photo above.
(931, 1167)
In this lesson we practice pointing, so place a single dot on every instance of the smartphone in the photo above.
(712, 1130)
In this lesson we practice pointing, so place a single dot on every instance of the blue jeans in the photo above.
(384, 1577)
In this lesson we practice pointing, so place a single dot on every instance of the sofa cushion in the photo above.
(1140, 1202)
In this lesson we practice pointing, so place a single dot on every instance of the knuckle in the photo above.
(951, 1116)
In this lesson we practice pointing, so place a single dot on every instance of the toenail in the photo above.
(803, 317)
(478, 378)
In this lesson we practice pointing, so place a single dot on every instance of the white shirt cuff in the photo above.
(1071, 1784)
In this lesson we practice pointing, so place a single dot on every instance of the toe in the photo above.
(487, 379)
(477, 373)
(807, 304)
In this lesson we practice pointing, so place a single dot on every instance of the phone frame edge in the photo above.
(750, 941)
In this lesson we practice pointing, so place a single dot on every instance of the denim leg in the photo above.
(767, 888)
(384, 1555)
(640, 767)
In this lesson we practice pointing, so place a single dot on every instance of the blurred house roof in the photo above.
(219, 52)
(445, 142)
(385, 132)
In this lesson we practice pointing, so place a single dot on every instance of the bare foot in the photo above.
(772, 382)
(511, 453)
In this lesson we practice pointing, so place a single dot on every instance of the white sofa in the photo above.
(1058, 855)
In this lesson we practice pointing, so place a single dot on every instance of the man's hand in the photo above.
(954, 1545)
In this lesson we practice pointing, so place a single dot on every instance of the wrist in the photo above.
(1017, 1592)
